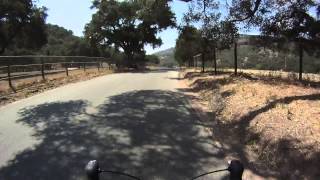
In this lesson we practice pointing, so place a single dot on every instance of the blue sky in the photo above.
(70, 14)
(75, 14)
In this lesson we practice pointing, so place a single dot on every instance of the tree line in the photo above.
(121, 29)
(118, 30)
(288, 26)
(250, 56)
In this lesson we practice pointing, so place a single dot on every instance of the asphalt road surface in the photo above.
(138, 123)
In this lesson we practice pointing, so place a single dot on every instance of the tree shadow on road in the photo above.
(150, 134)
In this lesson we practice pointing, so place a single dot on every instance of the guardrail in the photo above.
(14, 67)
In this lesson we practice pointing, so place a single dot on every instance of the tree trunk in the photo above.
(235, 59)
(129, 61)
(202, 59)
(215, 61)
(300, 62)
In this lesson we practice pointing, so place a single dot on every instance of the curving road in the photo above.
(139, 123)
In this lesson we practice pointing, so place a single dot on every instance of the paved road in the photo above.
(134, 122)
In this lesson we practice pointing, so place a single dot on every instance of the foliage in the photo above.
(153, 59)
(283, 24)
(22, 24)
(204, 13)
(129, 25)
(62, 42)
(251, 56)
(188, 45)
(282, 21)
(216, 32)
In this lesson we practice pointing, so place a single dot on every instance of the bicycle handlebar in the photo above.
(93, 171)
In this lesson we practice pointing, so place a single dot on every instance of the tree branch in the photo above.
(251, 13)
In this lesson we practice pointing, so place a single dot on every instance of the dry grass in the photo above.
(276, 74)
(29, 86)
(273, 124)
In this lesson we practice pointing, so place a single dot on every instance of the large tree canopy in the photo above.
(188, 45)
(293, 20)
(282, 22)
(129, 25)
(21, 24)
(215, 31)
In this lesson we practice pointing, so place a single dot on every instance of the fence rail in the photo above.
(19, 67)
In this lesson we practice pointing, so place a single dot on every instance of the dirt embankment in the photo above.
(271, 124)
(30, 86)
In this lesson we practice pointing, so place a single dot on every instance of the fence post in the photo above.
(42, 69)
(98, 65)
(9, 78)
(300, 61)
(84, 66)
(66, 66)
(235, 58)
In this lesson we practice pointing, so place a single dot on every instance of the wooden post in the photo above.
(235, 58)
(98, 65)
(215, 61)
(84, 66)
(42, 69)
(67, 70)
(300, 62)
(9, 78)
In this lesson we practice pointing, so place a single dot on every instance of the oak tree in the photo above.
(129, 25)
(22, 24)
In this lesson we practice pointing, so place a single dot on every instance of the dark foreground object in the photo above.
(93, 171)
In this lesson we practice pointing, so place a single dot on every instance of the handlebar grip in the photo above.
(92, 170)
(236, 170)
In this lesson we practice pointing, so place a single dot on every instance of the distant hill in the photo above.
(252, 57)
(165, 52)
(167, 57)
(61, 42)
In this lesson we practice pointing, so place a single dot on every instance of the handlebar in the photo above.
(93, 171)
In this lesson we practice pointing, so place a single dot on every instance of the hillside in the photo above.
(166, 57)
(61, 42)
(253, 57)
(261, 58)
